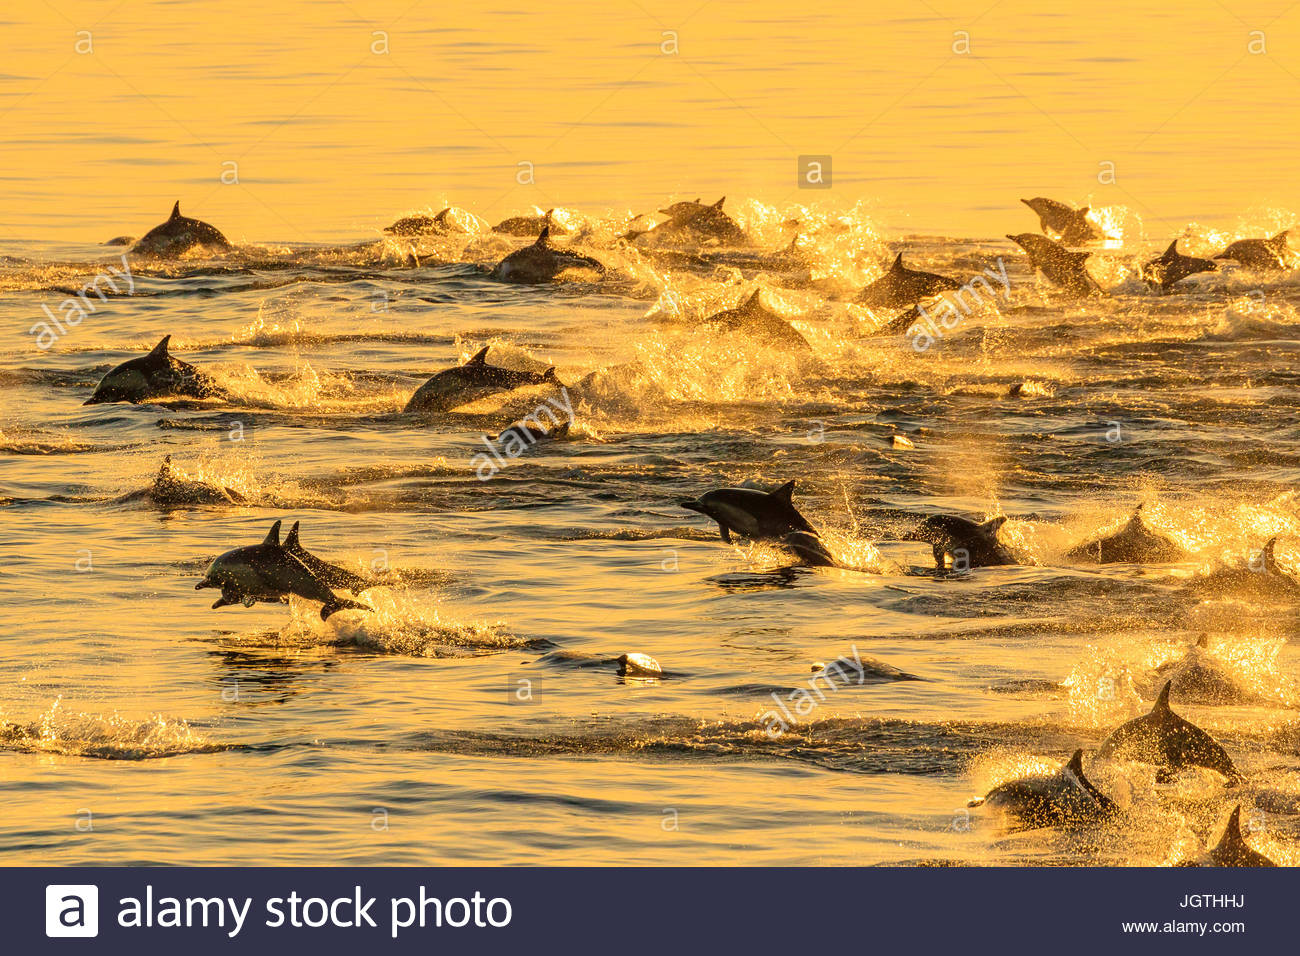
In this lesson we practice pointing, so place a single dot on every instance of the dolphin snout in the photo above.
(201, 585)
(692, 505)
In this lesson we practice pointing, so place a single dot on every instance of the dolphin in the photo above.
(120, 241)
(171, 489)
(1259, 253)
(759, 323)
(178, 235)
(1059, 799)
(268, 572)
(447, 221)
(529, 434)
(976, 545)
(753, 514)
(475, 379)
(1262, 576)
(531, 225)
(1173, 267)
(1133, 544)
(1070, 225)
(1062, 266)
(328, 574)
(1200, 677)
(808, 548)
(1163, 738)
(901, 286)
(155, 375)
(694, 223)
(543, 261)
(1232, 849)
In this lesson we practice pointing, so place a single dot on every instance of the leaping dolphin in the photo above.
(1071, 225)
(694, 223)
(543, 261)
(753, 514)
(268, 572)
(1168, 741)
(964, 541)
(155, 375)
(759, 323)
(447, 221)
(1133, 544)
(901, 286)
(531, 226)
(178, 235)
(1059, 799)
(1259, 253)
(1062, 267)
(1232, 849)
(1262, 576)
(1173, 267)
(329, 574)
(170, 489)
(475, 379)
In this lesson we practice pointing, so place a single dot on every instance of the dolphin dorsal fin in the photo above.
(291, 539)
(160, 350)
(1085, 210)
(544, 236)
(785, 492)
(1203, 642)
(1135, 520)
(753, 304)
(1075, 766)
(480, 357)
(1162, 702)
(1172, 251)
(273, 536)
(1266, 556)
(898, 263)
(176, 211)
(1232, 838)
(993, 524)
(1280, 238)
(718, 204)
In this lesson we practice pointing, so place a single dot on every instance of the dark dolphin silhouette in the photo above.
(330, 574)
(1071, 225)
(1232, 849)
(1062, 267)
(1259, 253)
(1173, 267)
(1135, 543)
(901, 286)
(543, 261)
(474, 380)
(178, 235)
(156, 375)
(968, 543)
(754, 514)
(268, 572)
(759, 323)
(1064, 798)
(1163, 738)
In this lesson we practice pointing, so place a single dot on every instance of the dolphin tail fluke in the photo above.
(342, 604)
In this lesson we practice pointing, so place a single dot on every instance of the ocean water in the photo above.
(478, 715)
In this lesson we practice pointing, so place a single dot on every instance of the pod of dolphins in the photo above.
(274, 569)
